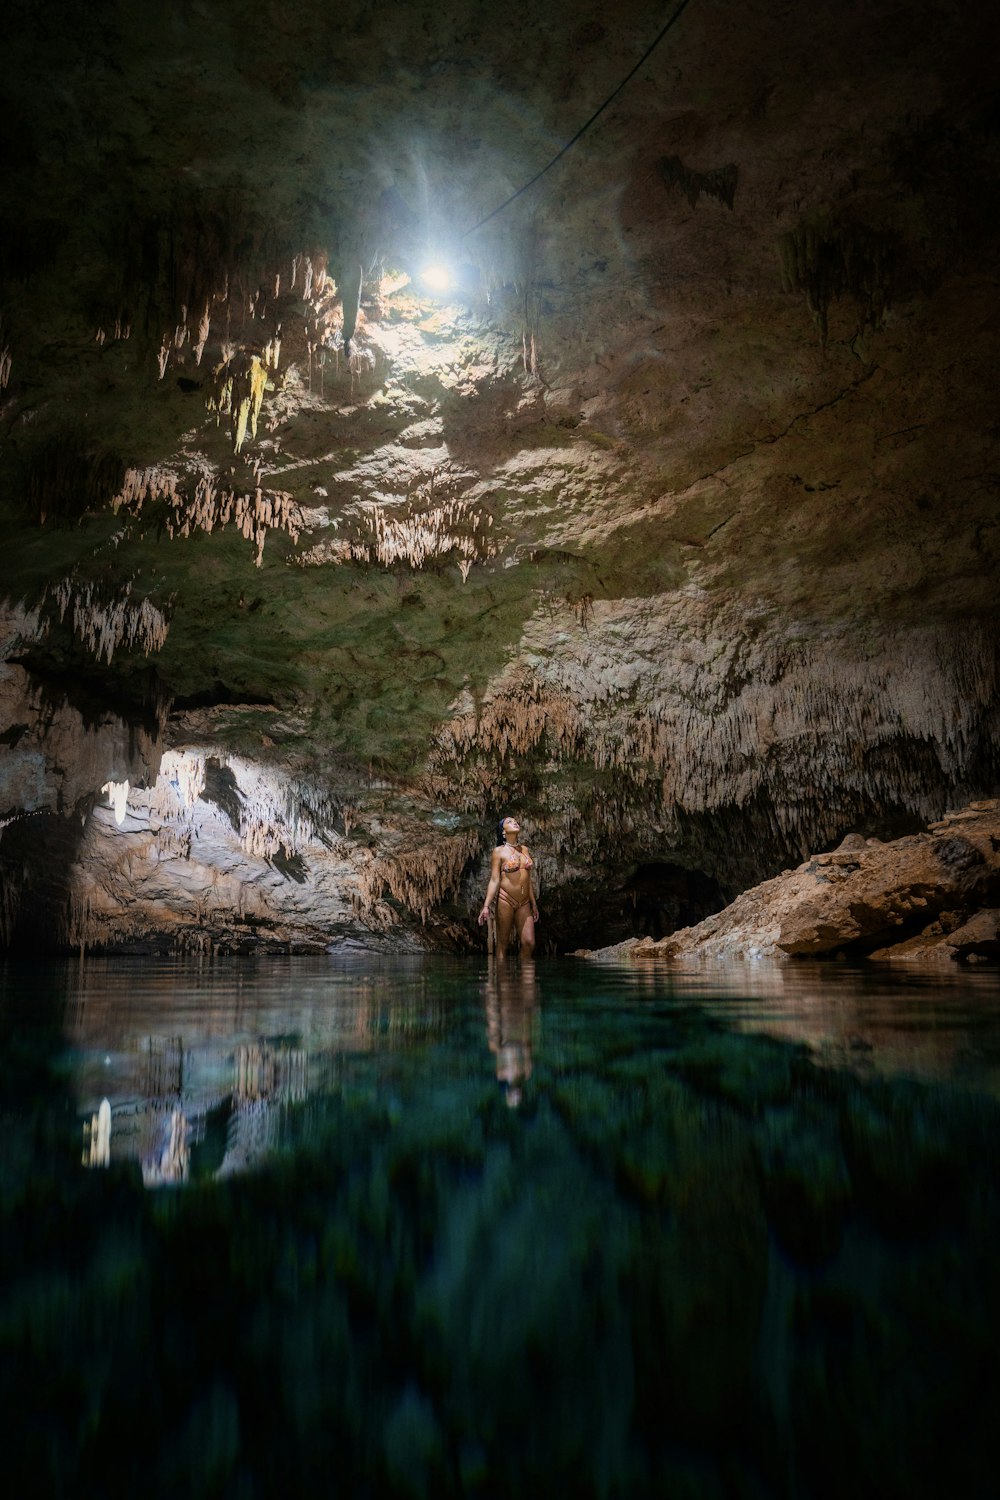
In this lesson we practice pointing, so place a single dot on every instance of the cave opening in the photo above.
(666, 896)
(653, 899)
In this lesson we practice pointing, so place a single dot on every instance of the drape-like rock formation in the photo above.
(672, 522)
(223, 855)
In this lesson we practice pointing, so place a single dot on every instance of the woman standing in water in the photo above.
(511, 885)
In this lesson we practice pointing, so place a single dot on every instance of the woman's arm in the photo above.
(492, 888)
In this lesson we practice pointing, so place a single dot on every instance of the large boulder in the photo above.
(931, 895)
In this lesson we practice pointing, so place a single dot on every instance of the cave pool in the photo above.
(365, 1225)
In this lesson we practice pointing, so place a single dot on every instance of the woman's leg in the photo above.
(505, 924)
(526, 929)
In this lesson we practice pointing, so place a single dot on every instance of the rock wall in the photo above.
(692, 710)
(671, 523)
(224, 855)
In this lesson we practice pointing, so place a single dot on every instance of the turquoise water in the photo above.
(379, 1227)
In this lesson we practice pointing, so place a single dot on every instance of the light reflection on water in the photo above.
(930, 1023)
(175, 1048)
(455, 1230)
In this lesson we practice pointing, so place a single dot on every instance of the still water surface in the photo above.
(406, 1226)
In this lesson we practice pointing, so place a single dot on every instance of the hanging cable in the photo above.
(587, 124)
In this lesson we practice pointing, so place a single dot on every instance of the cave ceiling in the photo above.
(672, 520)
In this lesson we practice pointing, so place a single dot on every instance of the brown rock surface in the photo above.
(926, 896)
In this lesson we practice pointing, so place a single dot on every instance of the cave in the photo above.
(407, 416)
(650, 900)
(665, 897)
(476, 476)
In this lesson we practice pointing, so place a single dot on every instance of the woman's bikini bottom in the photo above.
(514, 905)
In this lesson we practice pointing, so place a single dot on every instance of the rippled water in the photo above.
(420, 1226)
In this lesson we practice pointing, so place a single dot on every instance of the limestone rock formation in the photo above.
(928, 897)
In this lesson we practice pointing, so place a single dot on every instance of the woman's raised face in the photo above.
(511, 828)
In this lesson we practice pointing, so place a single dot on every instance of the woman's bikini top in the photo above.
(522, 861)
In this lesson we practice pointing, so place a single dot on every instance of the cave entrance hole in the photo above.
(653, 900)
(666, 896)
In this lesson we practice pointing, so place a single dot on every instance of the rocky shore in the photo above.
(931, 897)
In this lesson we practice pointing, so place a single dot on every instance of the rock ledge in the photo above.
(928, 897)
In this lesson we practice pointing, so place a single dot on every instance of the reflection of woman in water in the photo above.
(511, 885)
(511, 1001)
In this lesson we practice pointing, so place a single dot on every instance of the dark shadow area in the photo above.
(653, 901)
(222, 790)
(67, 674)
(665, 897)
(220, 696)
(36, 856)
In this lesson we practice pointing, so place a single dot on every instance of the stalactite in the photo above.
(5, 366)
(827, 260)
(412, 535)
(104, 624)
(719, 182)
(237, 391)
(184, 772)
(117, 794)
(421, 878)
(271, 815)
(349, 278)
(19, 626)
(65, 479)
(204, 329)
(132, 883)
(212, 507)
(513, 721)
(807, 735)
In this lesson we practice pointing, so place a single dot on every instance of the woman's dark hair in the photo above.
(501, 836)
